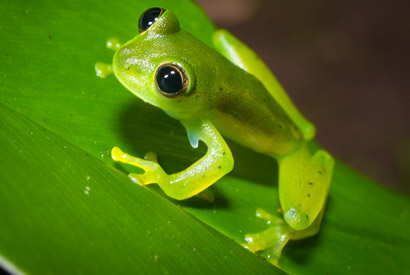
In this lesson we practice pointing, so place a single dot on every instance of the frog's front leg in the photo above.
(102, 69)
(217, 162)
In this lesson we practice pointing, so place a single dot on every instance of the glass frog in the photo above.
(225, 90)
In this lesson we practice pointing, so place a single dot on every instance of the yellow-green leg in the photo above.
(216, 163)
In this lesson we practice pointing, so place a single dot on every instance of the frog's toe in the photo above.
(137, 178)
(151, 156)
(147, 178)
(116, 153)
(256, 242)
(113, 43)
(271, 241)
(102, 69)
(271, 219)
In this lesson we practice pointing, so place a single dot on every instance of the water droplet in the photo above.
(87, 190)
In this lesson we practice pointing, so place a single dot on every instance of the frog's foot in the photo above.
(271, 240)
(153, 171)
(102, 69)
(113, 43)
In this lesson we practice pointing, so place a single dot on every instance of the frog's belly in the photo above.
(272, 137)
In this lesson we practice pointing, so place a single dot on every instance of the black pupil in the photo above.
(169, 80)
(148, 18)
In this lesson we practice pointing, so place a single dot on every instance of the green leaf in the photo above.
(49, 223)
(81, 215)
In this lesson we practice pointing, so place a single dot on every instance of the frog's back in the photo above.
(243, 110)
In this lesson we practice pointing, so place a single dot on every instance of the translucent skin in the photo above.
(235, 94)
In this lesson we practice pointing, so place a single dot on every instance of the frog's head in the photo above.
(156, 65)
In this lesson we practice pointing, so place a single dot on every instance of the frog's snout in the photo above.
(123, 60)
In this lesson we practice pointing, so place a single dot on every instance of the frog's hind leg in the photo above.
(303, 186)
(304, 182)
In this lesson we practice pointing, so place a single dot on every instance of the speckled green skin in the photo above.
(230, 91)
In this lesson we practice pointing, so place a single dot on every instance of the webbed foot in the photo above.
(275, 237)
(272, 239)
(102, 69)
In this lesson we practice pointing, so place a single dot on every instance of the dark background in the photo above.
(346, 65)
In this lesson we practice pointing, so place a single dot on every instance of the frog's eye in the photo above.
(171, 79)
(149, 17)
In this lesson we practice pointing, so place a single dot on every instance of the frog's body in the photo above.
(245, 112)
(228, 90)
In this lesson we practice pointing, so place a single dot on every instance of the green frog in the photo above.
(226, 91)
